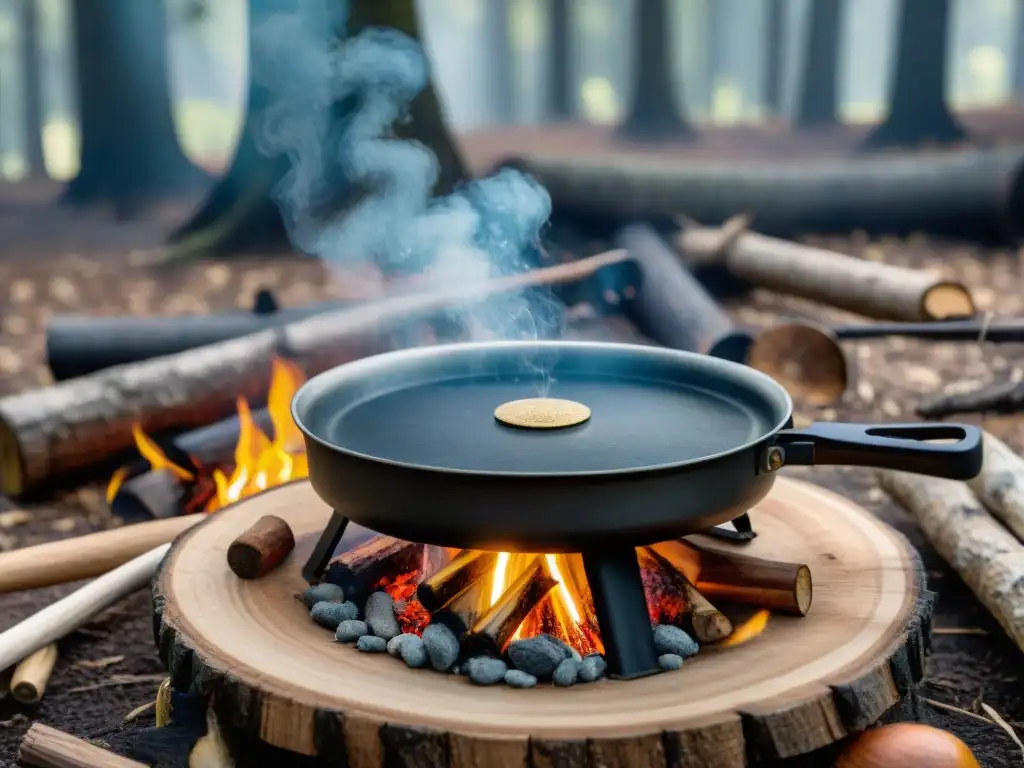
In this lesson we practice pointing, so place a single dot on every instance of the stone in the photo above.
(414, 651)
(371, 644)
(670, 661)
(323, 593)
(669, 639)
(519, 679)
(567, 673)
(380, 615)
(330, 615)
(573, 653)
(486, 670)
(442, 646)
(538, 656)
(351, 630)
(592, 668)
(395, 645)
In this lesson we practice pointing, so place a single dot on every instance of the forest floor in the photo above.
(56, 260)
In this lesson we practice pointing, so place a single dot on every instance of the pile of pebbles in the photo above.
(376, 629)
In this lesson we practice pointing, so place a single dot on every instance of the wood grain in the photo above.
(45, 747)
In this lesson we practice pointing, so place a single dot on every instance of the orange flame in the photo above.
(748, 630)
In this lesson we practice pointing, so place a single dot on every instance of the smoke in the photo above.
(332, 105)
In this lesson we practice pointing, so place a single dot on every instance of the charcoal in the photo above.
(538, 656)
(395, 645)
(669, 639)
(519, 679)
(351, 630)
(371, 644)
(414, 651)
(592, 668)
(486, 670)
(442, 646)
(566, 673)
(670, 661)
(330, 615)
(380, 615)
(323, 593)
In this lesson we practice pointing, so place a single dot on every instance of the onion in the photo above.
(907, 745)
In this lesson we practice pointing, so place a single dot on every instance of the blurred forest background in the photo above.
(492, 61)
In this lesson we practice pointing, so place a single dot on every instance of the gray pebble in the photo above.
(669, 639)
(323, 593)
(371, 644)
(538, 656)
(351, 630)
(592, 668)
(485, 670)
(519, 679)
(414, 651)
(380, 615)
(567, 672)
(395, 645)
(456, 670)
(670, 661)
(442, 646)
(330, 615)
(569, 650)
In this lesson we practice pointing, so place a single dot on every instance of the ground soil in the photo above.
(59, 261)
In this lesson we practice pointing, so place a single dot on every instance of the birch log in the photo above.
(987, 556)
(1000, 486)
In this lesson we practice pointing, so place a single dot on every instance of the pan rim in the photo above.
(358, 369)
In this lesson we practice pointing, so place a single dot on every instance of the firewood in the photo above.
(869, 288)
(46, 747)
(150, 496)
(464, 570)
(987, 556)
(495, 629)
(370, 563)
(57, 430)
(1000, 486)
(261, 548)
(705, 622)
(31, 676)
(1004, 397)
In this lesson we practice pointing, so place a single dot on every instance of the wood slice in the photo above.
(801, 685)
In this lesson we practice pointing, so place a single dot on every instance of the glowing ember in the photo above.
(750, 629)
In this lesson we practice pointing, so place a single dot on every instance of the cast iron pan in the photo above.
(407, 444)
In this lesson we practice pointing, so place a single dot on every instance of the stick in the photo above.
(869, 288)
(31, 676)
(85, 557)
(1000, 486)
(464, 570)
(261, 548)
(494, 630)
(68, 614)
(985, 555)
(56, 430)
(46, 747)
(1005, 397)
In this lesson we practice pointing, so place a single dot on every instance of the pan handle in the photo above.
(904, 447)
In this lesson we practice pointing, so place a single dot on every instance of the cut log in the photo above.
(968, 194)
(1000, 486)
(801, 685)
(46, 747)
(869, 288)
(1004, 397)
(368, 564)
(57, 430)
(985, 555)
(261, 548)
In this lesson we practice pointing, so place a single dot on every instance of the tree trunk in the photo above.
(817, 105)
(561, 94)
(35, 162)
(654, 113)
(774, 53)
(499, 54)
(239, 213)
(130, 152)
(918, 111)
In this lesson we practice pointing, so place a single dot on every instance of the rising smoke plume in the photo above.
(332, 103)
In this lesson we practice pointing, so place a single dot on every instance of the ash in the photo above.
(525, 663)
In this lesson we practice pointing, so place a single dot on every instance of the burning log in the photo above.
(372, 564)
(869, 288)
(465, 569)
(261, 548)
(70, 426)
(698, 616)
(151, 495)
(462, 613)
(1000, 486)
(1005, 397)
(965, 194)
(496, 628)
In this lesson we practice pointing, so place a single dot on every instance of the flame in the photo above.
(748, 630)
(152, 453)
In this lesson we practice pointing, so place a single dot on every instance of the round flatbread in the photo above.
(542, 413)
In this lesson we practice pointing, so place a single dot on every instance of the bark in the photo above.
(654, 113)
(499, 53)
(32, 89)
(918, 111)
(817, 105)
(561, 95)
(239, 212)
(774, 52)
(130, 151)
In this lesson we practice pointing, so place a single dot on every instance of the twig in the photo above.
(118, 680)
(1004, 725)
(959, 631)
(139, 711)
(956, 710)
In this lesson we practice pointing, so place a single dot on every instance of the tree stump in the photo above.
(802, 685)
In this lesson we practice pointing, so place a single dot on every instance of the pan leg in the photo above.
(324, 549)
(621, 607)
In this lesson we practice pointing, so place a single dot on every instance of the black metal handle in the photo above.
(888, 446)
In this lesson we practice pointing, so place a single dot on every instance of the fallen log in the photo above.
(1000, 485)
(1005, 397)
(57, 430)
(985, 555)
(970, 194)
(869, 288)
